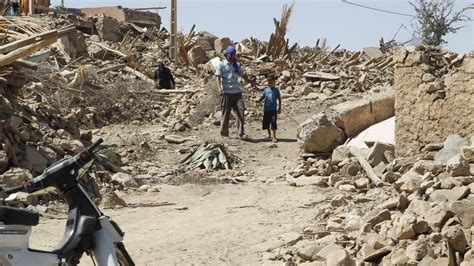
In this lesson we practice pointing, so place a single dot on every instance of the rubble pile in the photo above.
(403, 211)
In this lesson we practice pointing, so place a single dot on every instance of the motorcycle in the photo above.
(88, 230)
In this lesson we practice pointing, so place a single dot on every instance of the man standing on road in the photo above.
(163, 77)
(228, 73)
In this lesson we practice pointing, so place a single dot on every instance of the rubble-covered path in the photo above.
(217, 223)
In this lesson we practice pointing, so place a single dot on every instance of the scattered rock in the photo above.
(318, 134)
(336, 255)
(457, 166)
(110, 200)
(456, 238)
(174, 139)
(125, 180)
(451, 147)
(417, 250)
(380, 217)
(267, 246)
(454, 194)
(290, 239)
(464, 210)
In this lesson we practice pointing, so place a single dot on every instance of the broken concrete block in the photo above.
(108, 29)
(340, 153)
(455, 237)
(399, 54)
(310, 252)
(339, 201)
(427, 166)
(377, 153)
(336, 255)
(457, 166)
(421, 227)
(417, 250)
(125, 180)
(318, 134)
(409, 182)
(464, 210)
(197, 55)
(437, 217)
(350, 169)
(451, 146)
(373, 52)
(73, 44)
(355, 116)
(450, 195)
(380, 217)
(468, 153)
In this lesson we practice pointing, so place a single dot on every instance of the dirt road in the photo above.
(211, 224)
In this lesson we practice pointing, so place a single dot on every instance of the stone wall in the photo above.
(434, 98)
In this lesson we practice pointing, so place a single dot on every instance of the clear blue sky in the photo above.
(352, 27)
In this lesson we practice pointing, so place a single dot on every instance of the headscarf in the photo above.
(231, 51)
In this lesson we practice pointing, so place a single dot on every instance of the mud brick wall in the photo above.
(434, 98)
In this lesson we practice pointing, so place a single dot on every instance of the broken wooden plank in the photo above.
(366, 166)
(10, 47)
(333, 50)
(177, 91)
(25, 64)
(138, 74)
(110, 49)
(320, 75)
(149, 8)
(25, 51)
(111, 68)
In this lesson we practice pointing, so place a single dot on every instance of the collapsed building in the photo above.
(403, 209)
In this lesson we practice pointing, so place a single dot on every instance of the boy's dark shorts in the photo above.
(270, 118)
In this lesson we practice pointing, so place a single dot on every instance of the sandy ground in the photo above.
(212, 224)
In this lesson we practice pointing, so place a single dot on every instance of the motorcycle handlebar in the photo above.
(93, 147)
(50, 175)
(14, 189)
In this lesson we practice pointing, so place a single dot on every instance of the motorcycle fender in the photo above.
(104, 250)
(114, 232)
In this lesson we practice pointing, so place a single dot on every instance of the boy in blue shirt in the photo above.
(271, 110)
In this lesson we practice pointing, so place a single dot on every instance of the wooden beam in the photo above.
(26, 64)
(138, 74)
(25, 51)
(166, 92)
(149, 8)
(366, 166)
(110, 49)
(9, 47)
(111, 68)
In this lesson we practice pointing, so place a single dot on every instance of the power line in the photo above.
(377, 9)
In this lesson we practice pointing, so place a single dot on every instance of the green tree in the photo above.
(434, 19)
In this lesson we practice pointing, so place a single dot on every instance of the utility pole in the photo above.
(62, 4)
(174, 30)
